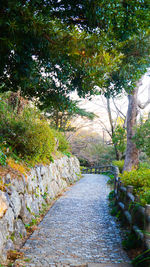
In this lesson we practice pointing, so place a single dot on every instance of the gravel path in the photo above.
(78, 230)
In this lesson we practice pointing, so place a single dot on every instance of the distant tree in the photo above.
(61, 114)
(90, 150)
(119, 140)
(113, 123)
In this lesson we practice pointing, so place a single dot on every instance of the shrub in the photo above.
(140, 180)
(119, 164)
(145, 197)
(144, 165)
(26, 134)
(142, 137)
(2, 158)
(119, 139)
(63, 145)
(131, 241)
(39, 141)
(97, 154)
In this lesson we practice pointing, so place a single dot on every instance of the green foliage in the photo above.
(144, 165)
(68, 154)
(131, 241)
(26, 135)
(111, 195)
(140, 180)
(33, 222)
(119, 164)
(119, 138)
(103, 153)
(142, 260)
(145, 197)
(63, 111)
(36, 35)
(63, 144)
(79, 42)
(91, 151)
(45, 195)
(111, 178)
(2, 158)
(142, 137)
(39, 141)
(114, 211)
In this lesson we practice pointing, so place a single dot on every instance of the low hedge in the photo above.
(119, 164)
(140, 180)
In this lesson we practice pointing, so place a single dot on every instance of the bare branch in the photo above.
(110, 115)
(105, 128)
(124, 116)
(144, 105)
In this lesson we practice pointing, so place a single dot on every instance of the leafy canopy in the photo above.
(60, 115)
(50, 48)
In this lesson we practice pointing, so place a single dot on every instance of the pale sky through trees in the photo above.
(98, 106)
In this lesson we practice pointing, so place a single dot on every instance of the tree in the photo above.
(113, 123)
(134, 65)
(119, 140)
(142, 137)
(132, 152)
(90, 149)
(61, 113)
(50, 48)
(78, 43)
(42, 46)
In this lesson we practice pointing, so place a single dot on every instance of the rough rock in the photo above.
(19, 231)
(15, 202)
(26, 196)
(25, 215)
(3, 204)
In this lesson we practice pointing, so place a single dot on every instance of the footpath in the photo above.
(78, 230)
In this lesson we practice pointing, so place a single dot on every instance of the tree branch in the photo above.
(143, 105)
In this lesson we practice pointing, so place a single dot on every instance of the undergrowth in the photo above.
(26, 138)
(131, 243)
(140, 180)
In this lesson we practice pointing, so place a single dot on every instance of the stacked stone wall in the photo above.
(24, 197)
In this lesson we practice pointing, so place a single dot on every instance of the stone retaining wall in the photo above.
(25, 197)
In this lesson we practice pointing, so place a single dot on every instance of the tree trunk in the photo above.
(112, 127)
(132, 153)
(116, 152)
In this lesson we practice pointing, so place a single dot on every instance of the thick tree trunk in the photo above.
(132, 153)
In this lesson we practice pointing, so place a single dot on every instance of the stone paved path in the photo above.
(78, 230)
